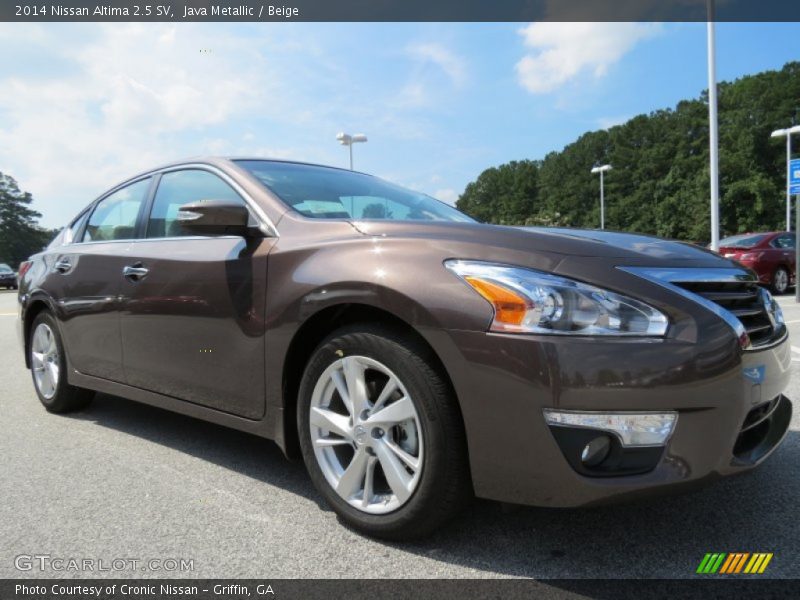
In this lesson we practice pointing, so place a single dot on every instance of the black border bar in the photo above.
(398, 10)
(390, 589)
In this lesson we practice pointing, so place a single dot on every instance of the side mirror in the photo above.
(214, 217)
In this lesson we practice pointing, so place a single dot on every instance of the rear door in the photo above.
(784, 251)
(193, 318)
(86, 277)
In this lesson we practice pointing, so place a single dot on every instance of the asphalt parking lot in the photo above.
(123, 480)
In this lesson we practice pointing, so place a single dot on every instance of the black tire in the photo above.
(780, 281)
(444, 485)
(67, 398)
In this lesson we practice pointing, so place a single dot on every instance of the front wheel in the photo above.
(381, 434)
(780, 281)
(49, 368)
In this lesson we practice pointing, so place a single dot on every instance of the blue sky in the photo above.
(85, 105)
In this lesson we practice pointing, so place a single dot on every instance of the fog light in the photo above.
(596, 451)
(634, 429)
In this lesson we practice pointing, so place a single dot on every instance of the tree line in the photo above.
(20, 234)
(660, 178)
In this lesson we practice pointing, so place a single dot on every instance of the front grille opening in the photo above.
(741, 298)
(755, 429)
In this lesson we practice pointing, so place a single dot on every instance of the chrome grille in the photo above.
(743, 299)
(732, 294)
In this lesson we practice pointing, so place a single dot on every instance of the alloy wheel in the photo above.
(781, 280)
(45, 361)
(366, 434)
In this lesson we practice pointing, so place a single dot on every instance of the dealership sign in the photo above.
(794, 176)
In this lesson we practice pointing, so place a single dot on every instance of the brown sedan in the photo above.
(412, 356)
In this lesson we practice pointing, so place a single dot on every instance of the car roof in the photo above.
(766, 233)
(226, 161)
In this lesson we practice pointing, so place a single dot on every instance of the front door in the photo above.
(192, 319)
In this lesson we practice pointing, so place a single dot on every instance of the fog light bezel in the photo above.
(614, 422)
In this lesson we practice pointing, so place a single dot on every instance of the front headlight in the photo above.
(527, 301)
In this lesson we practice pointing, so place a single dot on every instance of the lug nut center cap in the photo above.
(361, 435)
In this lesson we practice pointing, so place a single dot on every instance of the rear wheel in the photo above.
(780, 281)
(49, 368)
(381, 434)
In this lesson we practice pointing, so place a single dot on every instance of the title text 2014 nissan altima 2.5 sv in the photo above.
(412, 356)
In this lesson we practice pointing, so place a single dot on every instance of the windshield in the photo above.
(747, 240)
(5, 268)
(328, 193)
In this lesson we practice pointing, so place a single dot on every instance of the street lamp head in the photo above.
(601, 168)
(345, 139)
(785, 132)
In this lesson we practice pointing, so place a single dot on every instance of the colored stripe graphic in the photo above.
(755, 562)
(758, 563)
(711, 562)
(731, 564)
(727, 564)
(704, 563)
(718, 563)
(740, 564)
(764, 564)
(734, 563)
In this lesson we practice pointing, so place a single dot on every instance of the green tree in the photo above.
(506, 194)
(20, 235)
(660, 181)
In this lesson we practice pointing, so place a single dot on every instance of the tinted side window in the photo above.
(784, 241)
(182, 187)
(114, 217)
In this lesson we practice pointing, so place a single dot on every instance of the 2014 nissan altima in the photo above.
(412, 356)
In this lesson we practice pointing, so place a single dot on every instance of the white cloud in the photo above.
(131, 91)
(434, 53)
(447, 195)
(434, 65)
(85, 106)
(413, 95)
(561, 52)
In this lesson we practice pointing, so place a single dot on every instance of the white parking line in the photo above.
(8, 314)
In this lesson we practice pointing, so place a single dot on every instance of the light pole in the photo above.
(713, 127)
(602, 169)
(345, 139)
(787, 133)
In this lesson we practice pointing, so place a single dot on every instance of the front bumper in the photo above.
(504, 383)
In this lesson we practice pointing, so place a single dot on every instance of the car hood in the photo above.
(634, 248)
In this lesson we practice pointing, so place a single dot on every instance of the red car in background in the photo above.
(770, 255)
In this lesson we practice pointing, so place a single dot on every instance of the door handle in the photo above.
(135, 272)
(62, 266)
